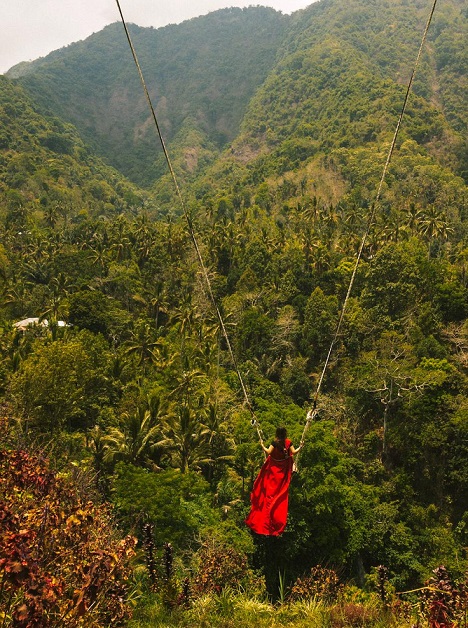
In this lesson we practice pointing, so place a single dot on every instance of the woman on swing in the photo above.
(269, 497)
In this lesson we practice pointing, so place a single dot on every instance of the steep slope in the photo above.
(322, 122)
(342, 73)
(47, 174)
(201, 75)
(336, 87)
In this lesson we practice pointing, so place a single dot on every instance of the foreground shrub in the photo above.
(219, 567)
(351, 614)
(443, 601)
(234, 609)
(61, 562)
(322, 583)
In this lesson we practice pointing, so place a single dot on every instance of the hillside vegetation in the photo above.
(138, 390)
(47, 173)
(202, 75)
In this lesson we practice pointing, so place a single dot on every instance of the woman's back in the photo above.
(280, 449)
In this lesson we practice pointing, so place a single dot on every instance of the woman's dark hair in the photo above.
(281, 433)
(280, 437)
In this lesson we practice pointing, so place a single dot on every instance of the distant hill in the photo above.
(47, 174)
(201, 75)
(341, 76)
(273, 92)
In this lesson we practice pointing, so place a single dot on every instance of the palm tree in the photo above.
(120, 237)
(188, 383)
(186, 317)
(188, 439)
(97, 443)
(143, 248)
(51, 215)
(312, 210)
(99, 253)
(394, 227)
(434, 224)
(17, 296)
(18, 346)
(414, 215)
(206, 352)
(138, 440)
(320, 258)
(119, 365)
(37, 269)
(157, 301)
(220, 441)
(59, 287)
(144, 344)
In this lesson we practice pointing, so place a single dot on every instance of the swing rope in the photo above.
(191, 229)
(313, 412)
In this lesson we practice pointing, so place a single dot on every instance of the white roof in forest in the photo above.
(26, 322)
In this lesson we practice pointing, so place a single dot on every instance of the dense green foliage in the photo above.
(48, 176)
(139, 387)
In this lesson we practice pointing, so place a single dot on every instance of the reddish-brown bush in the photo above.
(220, 567)
(443, 601)
(352, 615)
(61, 562)
(321, 583)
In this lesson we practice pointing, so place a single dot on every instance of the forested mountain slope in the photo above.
(47, 173)
(139, 392)
(320, 127)
(201, 75)
(340, 80)
(374, 41)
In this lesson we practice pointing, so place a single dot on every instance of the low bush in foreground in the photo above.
(61, 561)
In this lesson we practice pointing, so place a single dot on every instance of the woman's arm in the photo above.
(295, 451)
(269, 450)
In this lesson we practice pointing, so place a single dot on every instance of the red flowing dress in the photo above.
(269, 497)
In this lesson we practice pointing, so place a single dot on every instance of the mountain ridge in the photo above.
(47, 173)
(332, 76)
(85, 84)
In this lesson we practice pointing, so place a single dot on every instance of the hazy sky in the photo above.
(33, 28)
